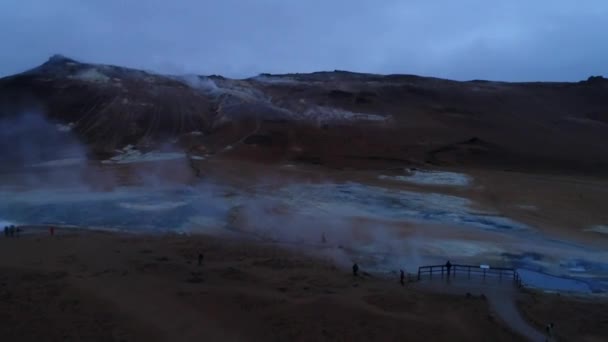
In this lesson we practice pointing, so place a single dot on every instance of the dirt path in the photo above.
(502, 297)
(505, 308)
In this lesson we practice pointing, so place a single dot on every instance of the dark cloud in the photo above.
(467, 39)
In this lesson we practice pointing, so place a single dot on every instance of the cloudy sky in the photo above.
(513, 40)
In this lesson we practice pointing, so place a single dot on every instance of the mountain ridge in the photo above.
(333, 118)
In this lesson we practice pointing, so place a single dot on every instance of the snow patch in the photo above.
(65, 128)
(584, 121)
(602, 229)
(152, 207)
(274, 79)
(329, 114)
(91, 75)
(130, 155)
(60, 162)
(432, 178)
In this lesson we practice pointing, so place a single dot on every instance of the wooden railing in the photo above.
(468, 270)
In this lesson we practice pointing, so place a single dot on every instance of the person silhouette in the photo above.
(549, 330)
(355, 270)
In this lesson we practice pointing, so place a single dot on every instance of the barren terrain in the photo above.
(283, 182)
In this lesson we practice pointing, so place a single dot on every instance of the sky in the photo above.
(509, 40)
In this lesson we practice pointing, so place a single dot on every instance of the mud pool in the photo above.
(381, 228)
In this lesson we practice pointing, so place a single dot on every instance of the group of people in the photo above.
(10, 231)
(401, 274)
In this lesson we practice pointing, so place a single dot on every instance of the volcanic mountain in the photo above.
(339, 119)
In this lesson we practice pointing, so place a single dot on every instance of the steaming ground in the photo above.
(76, 168)
(382, 223)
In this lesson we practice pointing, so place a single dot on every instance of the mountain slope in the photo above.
(335, 118)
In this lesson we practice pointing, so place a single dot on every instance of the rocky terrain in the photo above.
(338, 119)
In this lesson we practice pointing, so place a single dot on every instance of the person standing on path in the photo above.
(402, 278)
(549, 330)
(448, 265)
(355, 270)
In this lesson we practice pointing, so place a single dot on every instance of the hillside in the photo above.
(338, 119)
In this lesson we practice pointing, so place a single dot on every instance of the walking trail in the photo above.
(501, 295)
